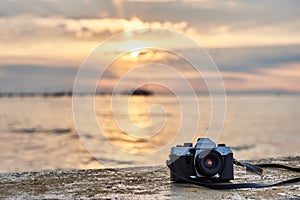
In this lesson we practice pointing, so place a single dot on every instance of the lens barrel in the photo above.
(209, 163)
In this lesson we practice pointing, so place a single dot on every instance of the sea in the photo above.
(43, 133)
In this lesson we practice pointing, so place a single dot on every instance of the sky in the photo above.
(255, 44)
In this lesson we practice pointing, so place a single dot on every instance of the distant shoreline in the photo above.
(70, 94)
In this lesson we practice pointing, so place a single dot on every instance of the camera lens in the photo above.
(209, 163)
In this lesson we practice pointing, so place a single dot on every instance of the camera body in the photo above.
(204, 162)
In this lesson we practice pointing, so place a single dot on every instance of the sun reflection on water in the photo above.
(137, 130)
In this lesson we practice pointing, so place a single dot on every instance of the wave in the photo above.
(39, 130)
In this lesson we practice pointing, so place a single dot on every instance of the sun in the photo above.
(134, 54)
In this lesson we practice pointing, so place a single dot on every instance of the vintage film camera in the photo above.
(206, 162)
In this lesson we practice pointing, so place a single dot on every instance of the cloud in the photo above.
(251, 59)
(212, 23)
(62, 39)
(66, 8)
(249, 41)
(283, 79)
(237, 14)
(245, 69)
(18, 78)
(30, 26)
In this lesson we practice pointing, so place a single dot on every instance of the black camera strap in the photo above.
(249, 167)
(243, 185)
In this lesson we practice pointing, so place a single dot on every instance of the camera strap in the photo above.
(249, 167)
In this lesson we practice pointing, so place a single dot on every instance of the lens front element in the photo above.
(209, 162)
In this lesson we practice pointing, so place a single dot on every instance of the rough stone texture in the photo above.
(140, 183)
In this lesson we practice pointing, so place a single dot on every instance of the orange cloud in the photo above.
(285, 78)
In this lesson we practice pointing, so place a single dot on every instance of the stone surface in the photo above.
(141, 183)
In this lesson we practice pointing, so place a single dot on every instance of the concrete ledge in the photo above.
(141, 183)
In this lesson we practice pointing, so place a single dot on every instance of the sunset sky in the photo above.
(255, 44)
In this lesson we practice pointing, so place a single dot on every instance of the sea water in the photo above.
(38, 133)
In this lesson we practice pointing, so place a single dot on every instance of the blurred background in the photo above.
(255, 45)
